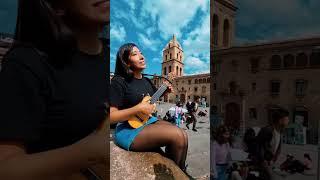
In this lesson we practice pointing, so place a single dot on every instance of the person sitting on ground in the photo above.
(235, 173)
(307, 162)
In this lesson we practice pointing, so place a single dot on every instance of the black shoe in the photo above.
(187, 125)
(194, 130)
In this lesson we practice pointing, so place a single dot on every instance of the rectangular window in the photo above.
(253, 113)
(275, 88)
(301, 86)
(254, 65)
(254, 86)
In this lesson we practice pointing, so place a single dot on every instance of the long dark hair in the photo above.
(219, 134)
(279, 114)
(306, 155)
(39, 25)
(122, 61)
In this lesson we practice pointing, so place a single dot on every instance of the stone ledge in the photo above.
(142, 166)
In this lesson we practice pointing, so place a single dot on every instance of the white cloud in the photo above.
(112, 57)
(132, 5)
(172, 16)
(198, 40)
(131, 18)
(156, 60)
(150, 30)
(194, 65)
(117, 32)
(197, 47)
(148, 42)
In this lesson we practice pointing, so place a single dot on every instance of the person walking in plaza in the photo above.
(192, 110)
(178, 114)
(269, 142)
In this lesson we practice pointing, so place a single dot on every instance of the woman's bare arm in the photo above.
(16, 164)
(117, 115)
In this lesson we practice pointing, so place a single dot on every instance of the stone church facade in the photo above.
(251, 81)
(185, 87)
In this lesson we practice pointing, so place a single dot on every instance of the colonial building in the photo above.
(5, 43)
(251, 81)
(185, 87)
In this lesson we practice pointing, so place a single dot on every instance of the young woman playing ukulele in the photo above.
(128, 87)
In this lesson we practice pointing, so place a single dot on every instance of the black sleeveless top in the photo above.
(45, 107)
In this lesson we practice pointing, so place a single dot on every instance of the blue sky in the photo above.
(150, 24)
(272, 20)
(8, 13)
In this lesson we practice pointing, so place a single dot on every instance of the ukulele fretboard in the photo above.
(158, 93)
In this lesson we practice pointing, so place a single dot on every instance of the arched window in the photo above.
(315, 59)
(170, 55)
(288, 61)
(233, 87)
(275, 62)
(196, 81)
(169, 69)
(200, 81)
(177, 71)
(164, 71)
(180, 71)
(226, 32)
(204, 80)
(215, 23)
(177, 55)
(208, 80)
(166, 57)
(302, 60)
(204, 89)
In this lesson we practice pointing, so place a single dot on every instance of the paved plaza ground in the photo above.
(198, 158)
(297, 151)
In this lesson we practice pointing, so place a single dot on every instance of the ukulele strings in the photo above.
(156, 95)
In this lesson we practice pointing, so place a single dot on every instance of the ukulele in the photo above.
(140, 119)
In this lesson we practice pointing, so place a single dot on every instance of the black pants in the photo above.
(194, 120)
